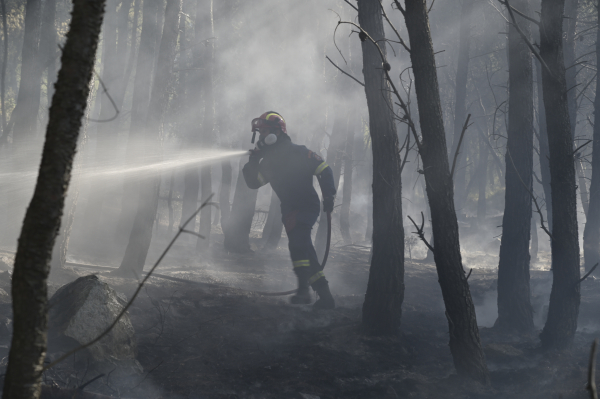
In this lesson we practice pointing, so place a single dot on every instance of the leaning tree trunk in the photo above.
(465, 344)
(139, 108)
(141, 234)
(514, 294)
(460, 102)
(42, 220)
(205, 7)
(382, 308)
(563, 309)
(26, 110)
(482, 169)
(591, 232)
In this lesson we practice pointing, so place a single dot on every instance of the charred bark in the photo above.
(382, 308)
(42, 220)
(141, 234)
(563, 309)
(465, 344)
(591, 232)
(514, 303)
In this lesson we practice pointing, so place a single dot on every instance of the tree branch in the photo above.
(462, 134)
(393, 27)
(345, 73)
(420, 232)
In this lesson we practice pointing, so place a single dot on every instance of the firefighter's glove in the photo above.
(255, 156)
(328, 204)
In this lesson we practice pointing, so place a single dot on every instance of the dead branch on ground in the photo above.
(137, 291)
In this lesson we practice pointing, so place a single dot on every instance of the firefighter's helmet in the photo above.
(269, 119)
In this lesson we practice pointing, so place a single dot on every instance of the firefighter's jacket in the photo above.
(290, 169)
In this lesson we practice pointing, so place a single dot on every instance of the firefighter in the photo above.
(290, 168)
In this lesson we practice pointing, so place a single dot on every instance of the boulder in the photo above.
(82, 310)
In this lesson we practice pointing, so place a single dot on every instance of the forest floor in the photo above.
(205, 342)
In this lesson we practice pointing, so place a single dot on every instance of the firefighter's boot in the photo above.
(325, 300)
(302, 296)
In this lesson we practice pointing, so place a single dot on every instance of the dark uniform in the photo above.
(290, 168)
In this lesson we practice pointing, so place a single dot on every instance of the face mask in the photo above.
(270, 139)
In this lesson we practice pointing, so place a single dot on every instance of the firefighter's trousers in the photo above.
(298, 225)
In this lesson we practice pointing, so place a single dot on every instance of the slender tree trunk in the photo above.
(591, 232)
(206, 8)
(514, 303)
(48, 48)
(534, 240)
(170, 202)
(335, 153)
(139, 109)
(465, 344)
(347, 189)
(126, 68)
(59, 252)
(4, 64)
(460, 102)
(27, 108)
(237, 228)
(544, 150)
(382, 308)
(569, 25)
(141, 234)
(225, 191)
(482, 179)
(563, 309)
(42, 220)
(273, 226)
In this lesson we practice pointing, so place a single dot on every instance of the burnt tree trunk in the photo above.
(514, 303)
(48, 48)
(139, 108)
(465, 344)
(206, 32)
(237, 229)
(382, 308)
(544, 151)
(482, 170)
(460, 102)
(347, 189)
(563, 309)
(591, 232)
(334, 160)
(569, 25)
(42, 220)
(141, 234)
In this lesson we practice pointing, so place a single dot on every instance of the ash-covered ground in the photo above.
(199, 341)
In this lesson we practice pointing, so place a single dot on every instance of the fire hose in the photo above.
(263, 293)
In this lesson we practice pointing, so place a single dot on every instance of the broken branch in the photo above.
(135, 294)
(588, 273)
(345, 73)
(420, 232)
(462, 134)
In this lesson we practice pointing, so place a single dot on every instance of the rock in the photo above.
(81, 311)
